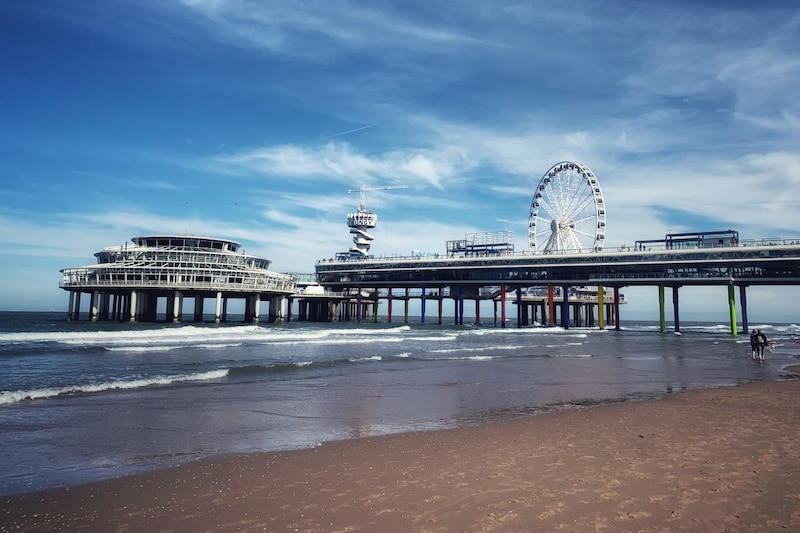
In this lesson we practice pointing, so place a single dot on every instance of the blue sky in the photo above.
(252, 120)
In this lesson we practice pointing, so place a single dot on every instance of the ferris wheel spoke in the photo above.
(583, 204)
(577, 198)
(584, 233)
(587, 218)
(549, 209)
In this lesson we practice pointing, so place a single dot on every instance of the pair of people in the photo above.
(758, 342)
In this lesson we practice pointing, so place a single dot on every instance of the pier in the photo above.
(734, 266)
(565, 278)
(127, 282)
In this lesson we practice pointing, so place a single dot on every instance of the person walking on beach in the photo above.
(754, 344)
(762, 344)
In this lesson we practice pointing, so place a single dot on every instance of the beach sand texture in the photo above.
(719, 460)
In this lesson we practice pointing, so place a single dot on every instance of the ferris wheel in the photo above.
(568, 214)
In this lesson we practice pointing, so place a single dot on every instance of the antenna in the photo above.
(362, 205)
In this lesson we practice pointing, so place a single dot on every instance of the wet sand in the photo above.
(723, 459)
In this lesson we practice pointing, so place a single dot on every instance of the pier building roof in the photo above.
(187, 241)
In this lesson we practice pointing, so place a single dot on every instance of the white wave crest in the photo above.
(9, 397)
(365, 359)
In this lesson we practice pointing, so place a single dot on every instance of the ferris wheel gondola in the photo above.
(567, 214)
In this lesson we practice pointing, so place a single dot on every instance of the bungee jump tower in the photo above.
(128, 281)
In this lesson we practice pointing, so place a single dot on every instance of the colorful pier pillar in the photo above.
(600, 309)
(422, 306)
(732, 308)
(502, 306)
(743, 304)
(676, 308)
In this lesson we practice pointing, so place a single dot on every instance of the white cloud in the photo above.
(338, 163)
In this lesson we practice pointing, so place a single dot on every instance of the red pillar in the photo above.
(503, 306)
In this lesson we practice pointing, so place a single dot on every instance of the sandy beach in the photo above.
(723, 459)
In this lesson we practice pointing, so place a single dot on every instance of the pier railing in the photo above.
(93, 278)
(622, 249)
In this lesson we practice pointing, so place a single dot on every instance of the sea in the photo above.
(83, 401)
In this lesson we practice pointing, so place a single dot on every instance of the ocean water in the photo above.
(81, 401)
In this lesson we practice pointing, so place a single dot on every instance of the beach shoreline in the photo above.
(720, 459)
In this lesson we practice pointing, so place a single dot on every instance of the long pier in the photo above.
(775, 262)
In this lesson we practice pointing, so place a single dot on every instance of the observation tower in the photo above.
(359, 222)
(127, 281)
(363, 220)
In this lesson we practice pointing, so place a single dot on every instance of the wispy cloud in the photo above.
(339, 163)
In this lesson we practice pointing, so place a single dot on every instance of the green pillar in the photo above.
(600, 305)
(732, 308)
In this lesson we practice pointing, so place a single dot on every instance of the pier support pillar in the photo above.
(502, 306)
(662, 323)
(177, 307)
(406, 308)
(616, 308)
(150, 307)
(256, 308)
(676, 308)
(198, 308)
(565, 307)
(279, 308)
(743, 305)
(600, 302)
(70, 315)
(76, 313)
(389, 305)
(218, 307)
(422, 306)
(94, 296)
(551, 306)
(132, 309)
(732, 308)
(105, 300)
(115, 306)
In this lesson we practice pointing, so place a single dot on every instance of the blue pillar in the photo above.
(675, 308)
(743, 304)
(422, 306)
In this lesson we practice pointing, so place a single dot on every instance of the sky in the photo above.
(253, 121)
